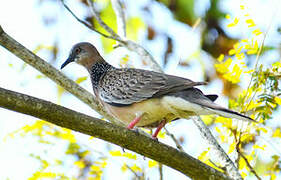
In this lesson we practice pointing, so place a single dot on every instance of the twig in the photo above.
(174, 139)
(84, 22)
(101, 22)
(249, 165)
(136, 175)
(120, 16)
(240, 154)
(160, 168)
(226, 162)
(259, 52)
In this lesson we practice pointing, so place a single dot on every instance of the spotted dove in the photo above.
(144, 98)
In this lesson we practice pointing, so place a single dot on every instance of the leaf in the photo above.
(232, 147)
(136, 168)
(250, 22)
(234, 23)
(152, 163)
(134, 25)
(277, 100)
(220, 58)
(130, 155)
(81, 79)
(277, 133)
(115, 153)
(79, 164)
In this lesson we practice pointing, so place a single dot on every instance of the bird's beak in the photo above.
(69, 60)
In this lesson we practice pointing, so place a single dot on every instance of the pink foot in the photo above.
(160, 126)
(134, 122)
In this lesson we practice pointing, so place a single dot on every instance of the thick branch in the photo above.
(30, 58)
(118, 135)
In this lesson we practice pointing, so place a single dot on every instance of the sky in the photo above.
(23, 21)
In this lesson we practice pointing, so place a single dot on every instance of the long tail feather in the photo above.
(231, 114)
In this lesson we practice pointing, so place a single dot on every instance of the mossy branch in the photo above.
(115, 134)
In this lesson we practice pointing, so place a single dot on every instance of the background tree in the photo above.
(239, 57)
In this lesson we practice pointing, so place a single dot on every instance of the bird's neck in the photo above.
(97, 71)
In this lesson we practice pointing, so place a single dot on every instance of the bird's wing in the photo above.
(126, 86)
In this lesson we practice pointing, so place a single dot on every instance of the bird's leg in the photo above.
(135, 121)
(160, 126)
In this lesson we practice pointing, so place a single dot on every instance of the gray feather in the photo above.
(128, 86)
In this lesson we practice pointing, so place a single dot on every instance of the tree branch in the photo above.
(118, 135)
(120, 17)
(30, 58)
(226, 162)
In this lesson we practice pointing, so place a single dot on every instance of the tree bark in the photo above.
(118, 135)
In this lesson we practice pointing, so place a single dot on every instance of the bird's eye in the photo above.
(77, 50)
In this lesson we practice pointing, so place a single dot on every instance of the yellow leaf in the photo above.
(39, 76)
(223, 67)
(243, 174)
(259, 147)
(277, 100)
(208, 119)
(234, 23)
(204, 156)
(227, 122)
(249, 72)
(220, 58)
(272, 176)
(161, 135)
(134, 25)
(231, 52)
(250, 22)
(240, 56)
(115, 153)
(262, 129)
(95, 168)
(232, 147)
(257, 32)
(152, 163)
(79, 164)
(246, 137)
(68, 135)
(124, 168)
(277, 133)
(81, 79)
(130, 155)
(227, 16)
(242, 164)
(136, 168)
(124, 60)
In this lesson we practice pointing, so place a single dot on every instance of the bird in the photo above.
(143, 98)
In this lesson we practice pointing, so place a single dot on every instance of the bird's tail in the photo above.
(230, 114)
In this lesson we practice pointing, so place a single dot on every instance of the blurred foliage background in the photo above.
(233, 45)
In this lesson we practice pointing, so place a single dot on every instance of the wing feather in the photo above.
(127, 86)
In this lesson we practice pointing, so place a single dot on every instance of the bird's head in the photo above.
(85, 54)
